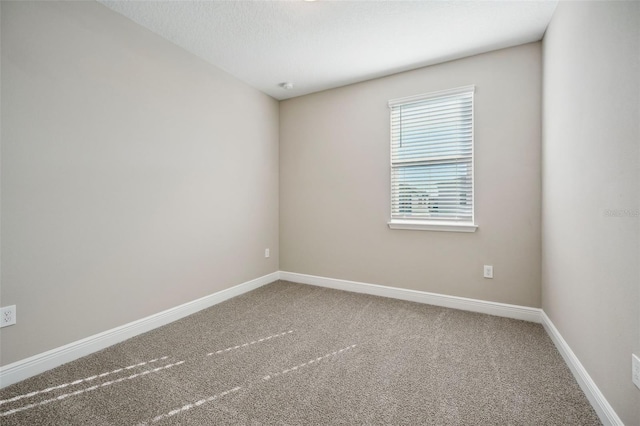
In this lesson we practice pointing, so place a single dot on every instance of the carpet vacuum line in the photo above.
(90, 378)
(264, 339)
(89, 389)
(203, 401)
(77, 382)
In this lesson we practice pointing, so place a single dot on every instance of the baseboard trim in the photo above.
(599, 403)
(23, 369)
(607, 415)
(492, 308)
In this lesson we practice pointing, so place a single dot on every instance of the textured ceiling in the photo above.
(325, 44)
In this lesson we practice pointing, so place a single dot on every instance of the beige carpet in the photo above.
(295, 354)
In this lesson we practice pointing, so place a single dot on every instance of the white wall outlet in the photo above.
(488, 271)
(266, 252)
(7, 316)
(635, 370)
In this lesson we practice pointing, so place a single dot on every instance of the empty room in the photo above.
(320, 212)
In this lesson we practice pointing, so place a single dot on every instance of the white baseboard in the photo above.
(23, 369)
(607, 415)
(492, 308)
(602, 407)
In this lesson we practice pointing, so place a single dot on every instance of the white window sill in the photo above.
(423, 225)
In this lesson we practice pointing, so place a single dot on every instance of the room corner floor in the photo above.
(295, 354)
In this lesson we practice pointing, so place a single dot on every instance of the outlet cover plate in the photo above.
(635, 370)
(7, 316)
(488, 271)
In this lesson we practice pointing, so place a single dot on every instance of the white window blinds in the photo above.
(432, 157)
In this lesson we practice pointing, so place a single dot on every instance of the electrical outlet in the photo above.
(266, 252)
(635, 370)
(488, 271)
(7, 316)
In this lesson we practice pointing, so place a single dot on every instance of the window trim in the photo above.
(425, 224)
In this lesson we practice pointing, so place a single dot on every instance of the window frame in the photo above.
(424, 224)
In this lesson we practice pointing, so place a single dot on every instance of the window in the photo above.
(432, 161)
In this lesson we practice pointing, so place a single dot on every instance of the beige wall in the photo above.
(334, 184)
(135, 177)
(590, 165)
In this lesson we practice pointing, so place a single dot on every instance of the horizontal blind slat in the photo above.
(435, 104)
(430, 121)
(404, 117)
(435, 152)
(440, 132)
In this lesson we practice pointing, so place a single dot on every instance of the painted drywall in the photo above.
(591, 190)
(135, 176)
(334, 184)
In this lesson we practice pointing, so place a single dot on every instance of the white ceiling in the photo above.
(325, 44)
